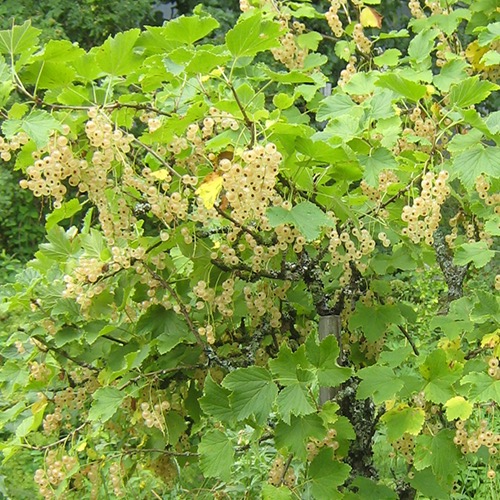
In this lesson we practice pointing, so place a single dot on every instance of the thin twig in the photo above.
(285, 469)
(409, 339)
(248, 122)
(164, 452)
(55, 443)
(165, 371)
(158, 157)
(275, 275)
(64, 354)
(244, 228)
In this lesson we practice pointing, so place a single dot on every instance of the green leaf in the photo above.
(289, 367)
(67, 334)
(493, 122)
(492, 226)
(402, 86)
(452, 71)
(324, 357)
(380, 106)
(215, 401)
(65, 211)
(427, 484)
(375, 319)
(60, 245)
(396, 357)
(10, 414)
(403, 419)
(474, 119)
(294, 436)
(253, 392)
(167, 327)
(326, 475)
(491, 58)
(334, 106)
(486, 308)
(379, 383)
(106, 401)
(377, 161)
(117, 56)
(295, 400)
(471, 164)
(463, 142)
(52, 67)
(252, 35)
(471, 91)
(457, 321)
(216, 455)
(320, 151)
(293, 76)
(489, 34)
(95, 245)
(175, 426)
(362, 83)
(420, 48)
(458, 407)
(450, 21)
(367, 489)
(476, 252)
(440, 452)
(283, 101)
(30, 424)
(309, 40)
(390, 57)
(344, 50)
(39, 125)
(307, 217)
(188, 30)
(270, 492)
(482, 388)
(440, 376)
(19, 39)
(401, 258)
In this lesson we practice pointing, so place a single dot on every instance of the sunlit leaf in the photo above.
(403, 419)
(252, 35)
(476, 252)
(39, 125)
(458, 407)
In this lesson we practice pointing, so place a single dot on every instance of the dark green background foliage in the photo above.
(21, 227)
(88, 22)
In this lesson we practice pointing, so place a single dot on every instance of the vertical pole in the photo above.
(328, 325)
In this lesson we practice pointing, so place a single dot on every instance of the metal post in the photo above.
(328, 325)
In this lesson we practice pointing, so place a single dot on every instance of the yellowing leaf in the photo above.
(209, 189)
(474, 53)
(370, 18)
(449, 345)
(81, 446)
(389, 404)
(458, 407)
(490, 340)
(39, 406)
(161, 174)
